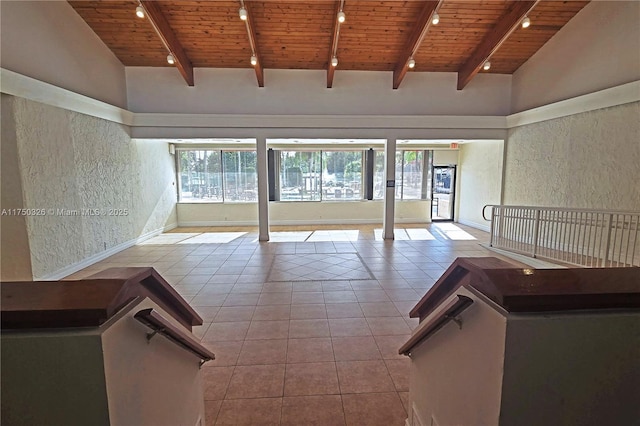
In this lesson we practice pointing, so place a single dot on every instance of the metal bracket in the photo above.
(201, 364)
(457, 320)
(150, 335)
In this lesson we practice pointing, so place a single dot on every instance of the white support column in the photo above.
(263, 189)
(388, 220)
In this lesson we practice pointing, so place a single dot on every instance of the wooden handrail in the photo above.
(451, 311)
(160, 324)
(89, 302)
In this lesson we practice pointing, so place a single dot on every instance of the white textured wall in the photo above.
(49, 41)
(599, 48)
(14, 247)
(588, 160)
(235, 91)
(72, 161)
(480, 176)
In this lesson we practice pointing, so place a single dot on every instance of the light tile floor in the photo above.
(305, 328)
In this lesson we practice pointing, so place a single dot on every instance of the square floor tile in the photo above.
(272, 313)
(399, 371)
(364, 376)
(262, 330)
(371, 296)
(374, 409)
(256, 381)
(241, 299)
(256, 352)
(226, 352)
(389, 345)
(223, 331)
(303, 297)
(315, 378)
(207, 313)
(234, 313)
(388, 326)
(347, 296)
(349, 327)
(211, 410)
(245, 412)
(344, 310)
(273, 298)
(305, 286)
(380, 309)
(355, 348)
(215, 381)
(336, 286)
(309, 350)
(308, 328)
(314, 311)
(317, 410)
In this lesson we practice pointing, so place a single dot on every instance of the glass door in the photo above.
(443, 193)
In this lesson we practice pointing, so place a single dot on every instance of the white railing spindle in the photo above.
(591, 238)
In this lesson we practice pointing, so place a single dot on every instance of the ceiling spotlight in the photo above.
(140, 11)
(526, 22)
(254, 60)
(243, 13)
(171, 59)
(334, 62)
(341, 17)
(411, 63)
(435, 18)
(486, 65)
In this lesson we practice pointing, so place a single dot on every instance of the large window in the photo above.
(342, 175)
(320, 175)
(413, 177)
(300, 175)
(217, 176)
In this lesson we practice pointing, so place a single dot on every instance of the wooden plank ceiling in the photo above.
(376, 36)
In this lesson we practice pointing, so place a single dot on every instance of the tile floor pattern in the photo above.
(304, 351)
(318, 267)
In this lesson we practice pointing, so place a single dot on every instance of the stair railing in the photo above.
(590, 238)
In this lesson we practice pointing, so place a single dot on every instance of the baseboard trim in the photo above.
(217, 223)
(486, 228)
(86, 262)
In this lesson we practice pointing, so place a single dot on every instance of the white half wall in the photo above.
(94, 188)
(598, 49)
(480, 176)
(49, 41)
(301, 213)
(304, 92)
(589, 160)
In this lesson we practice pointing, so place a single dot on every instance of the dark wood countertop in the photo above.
(88, 302)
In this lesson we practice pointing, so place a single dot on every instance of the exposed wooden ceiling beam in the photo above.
(334, 43)
(254, 45)
(506, 25)
(162, 27)
(415, 40)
